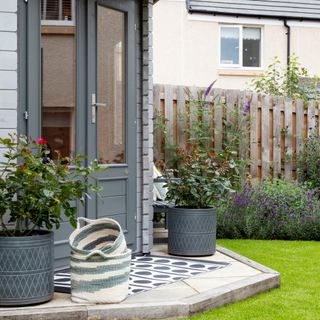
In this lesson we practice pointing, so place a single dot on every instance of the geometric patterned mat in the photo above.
(148, 272)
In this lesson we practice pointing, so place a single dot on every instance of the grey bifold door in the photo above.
(78, 81)
(111, 110)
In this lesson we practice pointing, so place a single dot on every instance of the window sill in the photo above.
(57, 29)
(239, 72)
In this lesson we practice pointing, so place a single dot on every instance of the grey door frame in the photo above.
(29, 83)
(29, 77)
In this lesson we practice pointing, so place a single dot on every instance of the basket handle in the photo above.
(79, 219)
(93, 221)
(97, 252)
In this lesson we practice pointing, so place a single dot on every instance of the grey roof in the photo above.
(292, 9)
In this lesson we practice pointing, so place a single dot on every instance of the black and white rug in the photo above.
(148, 272)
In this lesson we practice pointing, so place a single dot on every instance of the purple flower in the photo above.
(241, 200)
(246, 108)
(209, 88)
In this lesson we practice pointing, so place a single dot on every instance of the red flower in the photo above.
(42, 141)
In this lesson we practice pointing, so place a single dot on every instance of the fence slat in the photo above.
(157, 132)
(288, 139)
(299, 126)
(168, 112)
(265, 143)
(311, 118)
(254, 136)
(318, 107)
(276, 131)
(218, 112)
(231, 102)
(181, 110)
(277, 137)
(193, 98)
(245, 97)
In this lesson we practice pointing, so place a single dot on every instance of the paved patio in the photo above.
(241, 279)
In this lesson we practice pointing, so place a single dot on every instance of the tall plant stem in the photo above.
(5, 229)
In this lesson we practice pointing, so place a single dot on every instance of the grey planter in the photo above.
(191, 232)
(26, 269)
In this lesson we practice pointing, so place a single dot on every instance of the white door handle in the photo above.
(94, 106)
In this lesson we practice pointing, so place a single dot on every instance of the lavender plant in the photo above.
(272, 210)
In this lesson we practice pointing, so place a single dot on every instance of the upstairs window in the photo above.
(57, 12)
(240, 46)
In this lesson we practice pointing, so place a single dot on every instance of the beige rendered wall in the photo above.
(305, 42)
(186, 46)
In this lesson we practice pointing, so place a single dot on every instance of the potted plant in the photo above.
(199, 175)
(35, 192)
(200, 178)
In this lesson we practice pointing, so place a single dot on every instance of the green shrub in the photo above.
(37, 191)
(292, 81)
(272, 210)
(308, 165)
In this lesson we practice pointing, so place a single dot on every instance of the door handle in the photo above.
(94, 106)
(100, 104)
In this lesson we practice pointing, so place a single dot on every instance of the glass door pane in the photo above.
(58, 85)
(111, 85)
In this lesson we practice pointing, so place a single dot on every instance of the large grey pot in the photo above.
(191, 232)
(26, 269)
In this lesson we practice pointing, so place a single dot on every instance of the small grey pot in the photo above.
(26, 269)
(191, 232)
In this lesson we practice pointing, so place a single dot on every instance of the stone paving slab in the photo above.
(243, 278)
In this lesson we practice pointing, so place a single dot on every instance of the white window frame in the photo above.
(240, 65)
(61, 22)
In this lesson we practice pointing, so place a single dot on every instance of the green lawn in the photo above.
(299, 295)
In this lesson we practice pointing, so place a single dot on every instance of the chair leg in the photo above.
(166, 220)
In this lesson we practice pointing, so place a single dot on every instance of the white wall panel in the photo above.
(8, 60)
(8, 119)
(8, 80)
(8, 99)
(8, 21)
(8, 41)
(4, 132)
(8, 5)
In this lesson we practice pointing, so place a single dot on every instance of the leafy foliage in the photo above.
(203, 177)
(199, 174)
(287, 82)
(272, 210)
(35, 190)
(308, 164)
(204, 172)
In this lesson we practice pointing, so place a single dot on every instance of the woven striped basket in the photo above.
(100, 262)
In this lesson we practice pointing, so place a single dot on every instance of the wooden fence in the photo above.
(273, 137)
